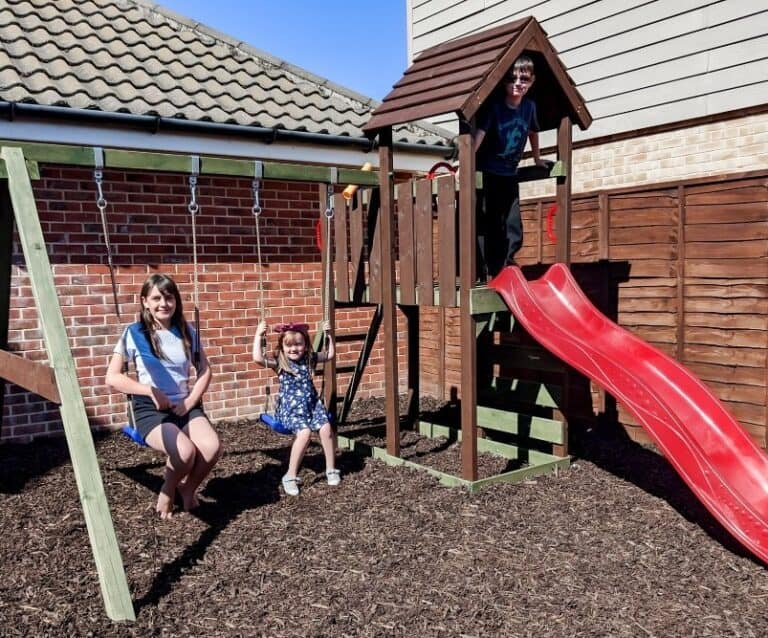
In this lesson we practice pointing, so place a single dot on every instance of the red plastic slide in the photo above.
(713, 454)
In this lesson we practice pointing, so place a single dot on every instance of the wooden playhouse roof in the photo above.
(459, 75)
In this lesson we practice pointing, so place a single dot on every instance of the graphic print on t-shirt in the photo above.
(513, 132)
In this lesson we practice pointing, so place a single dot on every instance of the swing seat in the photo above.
(274, 424)
(133, 434)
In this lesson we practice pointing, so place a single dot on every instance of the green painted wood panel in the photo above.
(180, 163)
(535, 427)
(32, 170)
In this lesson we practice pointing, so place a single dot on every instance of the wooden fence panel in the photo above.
(726, 294)
(374, 252)
(422, 225)
(406, 242)
(446, 233)
(356, 249)
(341, 258)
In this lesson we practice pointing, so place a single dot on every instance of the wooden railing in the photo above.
(426, 241)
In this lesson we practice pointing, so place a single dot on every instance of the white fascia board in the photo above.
(212, 145)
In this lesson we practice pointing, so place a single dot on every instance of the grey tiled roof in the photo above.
(134, 56)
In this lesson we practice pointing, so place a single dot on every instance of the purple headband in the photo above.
(293, 327)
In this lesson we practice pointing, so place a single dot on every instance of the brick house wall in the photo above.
(149, 227)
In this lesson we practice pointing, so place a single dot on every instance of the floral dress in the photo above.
(298, 406)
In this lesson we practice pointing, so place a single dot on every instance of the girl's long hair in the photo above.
(166, 286)
(282, 360)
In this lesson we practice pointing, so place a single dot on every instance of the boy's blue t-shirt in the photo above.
(506, 132)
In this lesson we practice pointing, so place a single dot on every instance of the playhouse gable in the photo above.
(459, 75)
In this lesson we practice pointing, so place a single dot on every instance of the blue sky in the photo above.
(360, 45)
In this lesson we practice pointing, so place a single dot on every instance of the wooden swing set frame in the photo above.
(56, 380)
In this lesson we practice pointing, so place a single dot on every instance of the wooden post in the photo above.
(412, 316)
(603, 228)
(541, 233)
(680, 353)
(106, 553)
(563, 217)
(468, 242)
(6, 252)
(563, 250)
(386, 254)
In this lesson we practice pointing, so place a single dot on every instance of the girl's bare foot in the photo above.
(188, 496)
(164, 505)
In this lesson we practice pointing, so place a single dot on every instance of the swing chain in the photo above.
(256, 208)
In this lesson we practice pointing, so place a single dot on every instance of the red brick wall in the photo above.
(149, 227)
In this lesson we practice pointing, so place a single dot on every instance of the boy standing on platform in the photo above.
(503, 127)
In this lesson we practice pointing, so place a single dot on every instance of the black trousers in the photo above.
(499, 225)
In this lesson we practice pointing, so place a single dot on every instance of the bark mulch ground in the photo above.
(614, 546)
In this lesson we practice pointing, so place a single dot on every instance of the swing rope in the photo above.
(329, 213)
(256, 210)
(266, 417)
(101, 204)
(130, 428)
(258, 171)
(326, 293)
(193, 208)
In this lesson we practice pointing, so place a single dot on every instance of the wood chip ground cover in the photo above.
(614, 546)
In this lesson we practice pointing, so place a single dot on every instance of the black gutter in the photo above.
(154, 124)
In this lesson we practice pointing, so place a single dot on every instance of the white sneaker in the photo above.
(333, 477)
(291, 485)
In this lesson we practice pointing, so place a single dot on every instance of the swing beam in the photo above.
(178, 163)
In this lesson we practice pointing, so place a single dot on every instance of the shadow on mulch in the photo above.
(608, 447)
(612, 450)
(38, 458)
(225, 499)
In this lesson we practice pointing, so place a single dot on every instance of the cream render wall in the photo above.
(637, 64)
(719, 148)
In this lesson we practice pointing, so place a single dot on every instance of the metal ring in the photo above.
(101, 203)
(329, 212)
(193, 208)
(256, 210)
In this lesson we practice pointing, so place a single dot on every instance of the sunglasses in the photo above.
(523, 79)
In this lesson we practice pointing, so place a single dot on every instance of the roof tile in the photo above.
(134, 56)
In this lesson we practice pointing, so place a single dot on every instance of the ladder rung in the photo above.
(351, 334)
(340, 369)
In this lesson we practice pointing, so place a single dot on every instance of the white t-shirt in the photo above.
(169, 374)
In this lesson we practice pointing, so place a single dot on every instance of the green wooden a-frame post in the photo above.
(106, 553)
